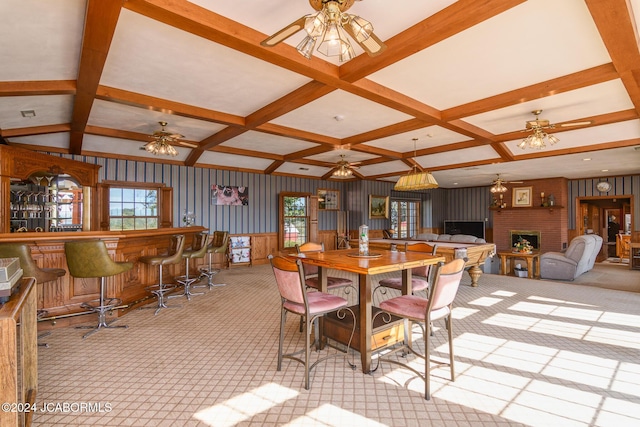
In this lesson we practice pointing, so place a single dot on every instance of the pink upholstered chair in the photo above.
(419, 275)
(426, 310)
(311, 271)
(308, 305)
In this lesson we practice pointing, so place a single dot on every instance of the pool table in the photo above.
(476, 253)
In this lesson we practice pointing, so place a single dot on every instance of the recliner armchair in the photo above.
(579, 258)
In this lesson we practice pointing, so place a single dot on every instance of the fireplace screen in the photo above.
(531, 235)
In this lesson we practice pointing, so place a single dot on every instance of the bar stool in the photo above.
(197, 250)
(219, 245)
(88, 259)
(31, 269)
(173, 256)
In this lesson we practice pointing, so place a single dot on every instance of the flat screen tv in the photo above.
(473, 228)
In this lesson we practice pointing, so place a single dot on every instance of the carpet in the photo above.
(615, 276)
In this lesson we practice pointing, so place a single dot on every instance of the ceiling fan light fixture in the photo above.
(161, 145)
(305, 47)
(334, 41)
(361, 28)
(332, 26)
(315, 25)
(537, 138)
(160, 148)
(342, 172)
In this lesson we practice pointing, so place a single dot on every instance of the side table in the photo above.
(533, 263)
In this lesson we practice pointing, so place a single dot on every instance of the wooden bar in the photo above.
(62, 298)
(18, 354)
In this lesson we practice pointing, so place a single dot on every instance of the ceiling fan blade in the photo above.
(284, 33)
(175, 136)
(372, 44)
(588, 122)
(188, 144)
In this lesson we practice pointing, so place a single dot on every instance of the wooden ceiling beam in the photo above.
(35, 130)
(100, 24)
(620, 37)
(38, 87)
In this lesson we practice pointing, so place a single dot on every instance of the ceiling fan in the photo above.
(163, 142)
(498, 184)
(328, 26)
(344, 169)
(538, 135)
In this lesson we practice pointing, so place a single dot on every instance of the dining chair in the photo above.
(425, 310)
(310, 306)
(419, 275)
(311, 271)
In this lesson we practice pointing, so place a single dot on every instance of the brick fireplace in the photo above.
(550, 222)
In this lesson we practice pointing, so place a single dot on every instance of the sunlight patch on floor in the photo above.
(616, 412)
(485, 301)
(331, 415)
(614, 337)
(558, 301)
(245, 406)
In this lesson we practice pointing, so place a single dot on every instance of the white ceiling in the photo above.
(460, 78)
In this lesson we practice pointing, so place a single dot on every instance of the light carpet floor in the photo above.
(528, 352)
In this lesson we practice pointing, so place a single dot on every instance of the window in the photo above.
(405, 218)
(133, 208)
(295, 220)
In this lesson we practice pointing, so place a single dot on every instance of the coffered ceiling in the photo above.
(461, 77)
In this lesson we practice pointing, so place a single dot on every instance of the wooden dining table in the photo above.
(378, 262)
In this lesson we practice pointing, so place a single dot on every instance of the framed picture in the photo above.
(328, 200)
(378, 207)
(229, 195)
(521, 197)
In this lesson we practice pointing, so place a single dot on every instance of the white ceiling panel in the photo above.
(483, 152)
(52, 140)
(432, 136)
(341, 114)
(152, 58)
(267, 143)
(49, 110)
(349, 155)
(302, 170)
(126, 147)
(380, 168)
(40, 39)
(241, 162)
(119, 116)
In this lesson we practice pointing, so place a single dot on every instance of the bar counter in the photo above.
(63, 297)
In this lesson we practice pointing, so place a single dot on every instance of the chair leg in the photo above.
(186, 282)
(450, 327)
(162, 289)
(209, 272)
(307, 344)
(427, 361)
(283, 318)
(104, 306)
